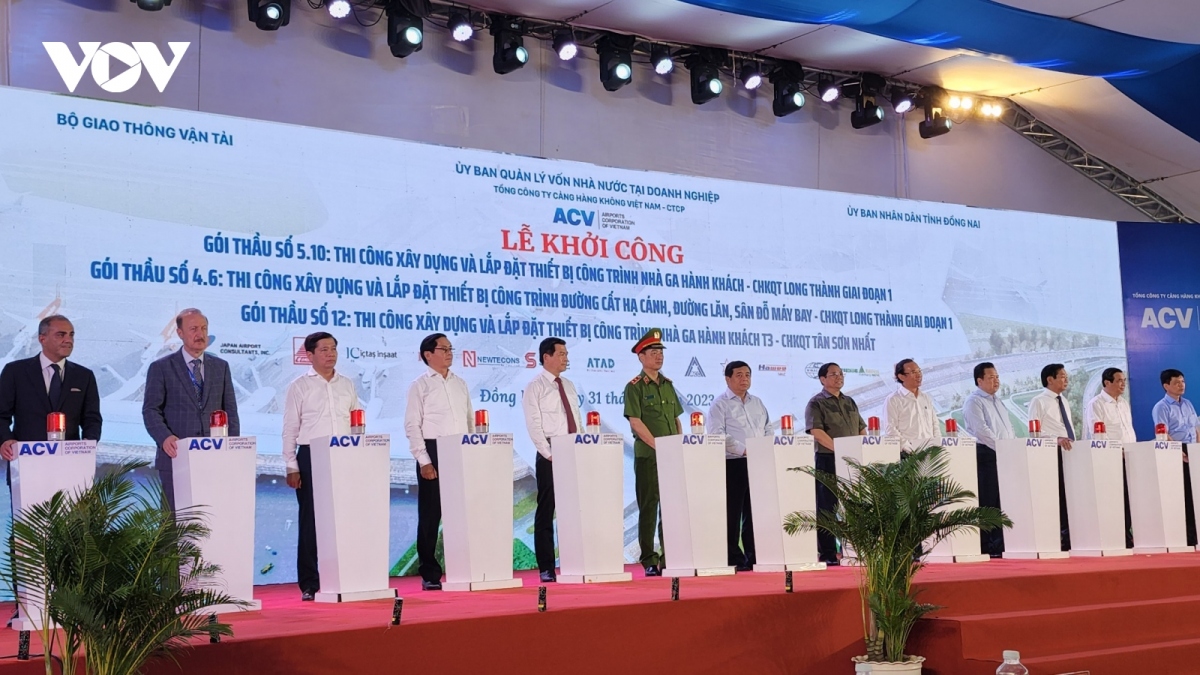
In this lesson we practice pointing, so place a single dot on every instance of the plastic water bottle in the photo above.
(1012, 664)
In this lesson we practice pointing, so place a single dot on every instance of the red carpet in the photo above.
(1114, 616)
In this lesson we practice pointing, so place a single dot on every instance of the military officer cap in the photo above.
(652, 338)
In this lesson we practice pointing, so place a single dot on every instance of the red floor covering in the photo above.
(1114, 615)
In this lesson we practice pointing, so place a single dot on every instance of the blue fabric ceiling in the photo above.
(1160, 76)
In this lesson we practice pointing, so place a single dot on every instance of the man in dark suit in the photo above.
(31, 389)
(182, 390)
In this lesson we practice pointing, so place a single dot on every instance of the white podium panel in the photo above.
(691, 483)
(215, 477)
(1156, 506)
(1028, 473)
(865, 450)
(589, 477)
(39, 470)
(963, 546)
(475, 472)
(352, 501)
(1095, 498)
(776, 492)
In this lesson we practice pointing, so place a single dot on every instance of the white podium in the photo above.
(864, 450)
(39, 470)
(691, 484)
(215, 477)
(963, 546)
(1156, 507)
(1095, 498)
(776, 492)
(476, 476)
(589, 496)
(352, 501)
(1028, 473)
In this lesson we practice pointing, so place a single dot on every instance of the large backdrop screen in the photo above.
(120, 216)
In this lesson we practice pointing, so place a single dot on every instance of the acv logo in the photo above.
(130, 56)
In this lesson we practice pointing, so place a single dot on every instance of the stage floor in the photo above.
(745, 623)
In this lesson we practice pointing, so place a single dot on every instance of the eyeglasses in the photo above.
(448, 350)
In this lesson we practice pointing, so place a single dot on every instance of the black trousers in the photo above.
(992, 541)
(167, 478)
(826, 544)
(1065, 531)
(307, 575)
(543, 518)
(738, 522)
(429, 518)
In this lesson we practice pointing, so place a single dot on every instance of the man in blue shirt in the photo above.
(1179, 415)
(986, 418)
(738, 415)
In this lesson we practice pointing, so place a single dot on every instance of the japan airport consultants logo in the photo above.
(116, 66)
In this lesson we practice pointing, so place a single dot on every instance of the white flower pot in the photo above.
(912, 665)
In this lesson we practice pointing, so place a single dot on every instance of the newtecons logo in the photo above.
(472, 359)
(130, 58)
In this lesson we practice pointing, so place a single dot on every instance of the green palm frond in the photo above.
(887, 515)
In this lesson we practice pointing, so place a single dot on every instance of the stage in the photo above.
(1114, 615)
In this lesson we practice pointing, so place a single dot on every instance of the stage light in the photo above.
(935, 124)
(866, 113)
(616, 60)
(405, 31)
(339, 9)
(705, 75)
(564, 44)
(827, 89)
(991, 110)
(460, 26)
(967, 103)
(660, 56)
(269, 14)
(902, 101)
(788, 79)
(955, 102)
(508, 51)
(751, 75)
(152, 5)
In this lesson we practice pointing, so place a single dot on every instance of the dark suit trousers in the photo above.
(1065, 531)
(167, 478)
(738, 523)
(543, 518)
(991, 542)
(429, 518)
(307, 573)
(826, 544)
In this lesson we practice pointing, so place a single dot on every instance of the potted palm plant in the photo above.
(887, 514)
(109, 570)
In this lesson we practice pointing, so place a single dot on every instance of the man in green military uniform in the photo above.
(653, 410)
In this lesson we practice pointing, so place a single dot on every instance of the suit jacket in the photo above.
(24, 403)
(170, 406)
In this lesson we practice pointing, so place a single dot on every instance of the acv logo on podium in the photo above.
(129, 58)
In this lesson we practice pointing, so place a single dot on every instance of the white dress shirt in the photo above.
(1044, 407)
(315, 407)
(911, 418)
(1118, 420)
(437, 406)
(738, 420)
(48, 372)
(544, 414)
(986, 418)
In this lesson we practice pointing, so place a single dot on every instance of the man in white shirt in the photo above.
(986, 418)
(439, 404)
(909, 412)
(551, 409)
(1108, 407)
(738, 415)
(1050, 407)
(318, 404)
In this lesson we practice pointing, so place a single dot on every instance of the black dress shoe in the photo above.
(431, 585)
(744, 567)
(307, 596)
(653, 571)
(548, 577)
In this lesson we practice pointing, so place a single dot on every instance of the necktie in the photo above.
(1062, 410)
(55, 387)
(562, 393)
(198, 378)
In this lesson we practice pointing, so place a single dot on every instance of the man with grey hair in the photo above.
(32, 388)
(182, 390)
